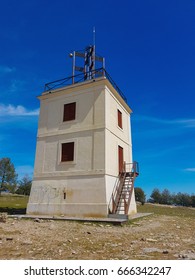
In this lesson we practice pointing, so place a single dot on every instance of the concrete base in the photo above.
(118, 216)
(74, 196)
(69, 210)
(112, 220)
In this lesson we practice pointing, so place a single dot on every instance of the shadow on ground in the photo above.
(12, 211)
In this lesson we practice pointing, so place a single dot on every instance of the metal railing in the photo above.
(132, 169)
(100, 72)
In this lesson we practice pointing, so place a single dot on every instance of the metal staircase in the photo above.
(122, 193)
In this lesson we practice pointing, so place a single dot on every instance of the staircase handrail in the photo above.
(117, 188)
(128, 168)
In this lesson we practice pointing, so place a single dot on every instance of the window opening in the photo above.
(120, 123)
(69, 112)
(67, 152)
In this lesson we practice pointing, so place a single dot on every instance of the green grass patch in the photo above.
(13, 204)
(167, 210)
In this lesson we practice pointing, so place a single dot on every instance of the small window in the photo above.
(67, 152)
(120, 123)
(69, 112)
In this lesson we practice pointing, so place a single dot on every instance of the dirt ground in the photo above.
(151, 237)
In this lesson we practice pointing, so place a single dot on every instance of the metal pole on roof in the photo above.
(73, 67)
(72, 55)
(104, 66)
(93, 57)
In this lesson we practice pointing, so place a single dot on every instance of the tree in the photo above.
(183, 199)
(8, 175)
(24, 186)
(156, 196)
(140, 195)
(193, 200)
(166, 197)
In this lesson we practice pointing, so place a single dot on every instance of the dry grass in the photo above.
(168, 210)
(13, 204)
(167, 234)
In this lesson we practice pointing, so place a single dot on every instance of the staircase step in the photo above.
(124, 190)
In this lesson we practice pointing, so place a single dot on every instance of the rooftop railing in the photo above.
(97, 73)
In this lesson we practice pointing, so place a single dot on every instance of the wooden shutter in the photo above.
(120, 159)
(67, 152)
(69, 111)
(120, 123)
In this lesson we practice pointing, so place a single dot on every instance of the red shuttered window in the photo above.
(120, 121)
(69, 112)
(67, 152)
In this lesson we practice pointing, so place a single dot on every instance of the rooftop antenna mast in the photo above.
(94, 35)
(94, 48)
(90, 58)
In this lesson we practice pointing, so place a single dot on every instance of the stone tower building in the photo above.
(83, 165)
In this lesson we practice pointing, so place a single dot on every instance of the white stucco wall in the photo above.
(115, 136)
(90, 109)
(89, 154)
(88, 181)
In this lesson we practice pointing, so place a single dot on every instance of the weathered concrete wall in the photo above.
(72, 196)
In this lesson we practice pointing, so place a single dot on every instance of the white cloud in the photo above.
(184, 122)
(16, 85)
(19, 110)
(192, 169)
(6, 69)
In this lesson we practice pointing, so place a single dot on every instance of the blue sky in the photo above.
(149, 50)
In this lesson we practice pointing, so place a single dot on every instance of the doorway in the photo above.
(120, 159)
